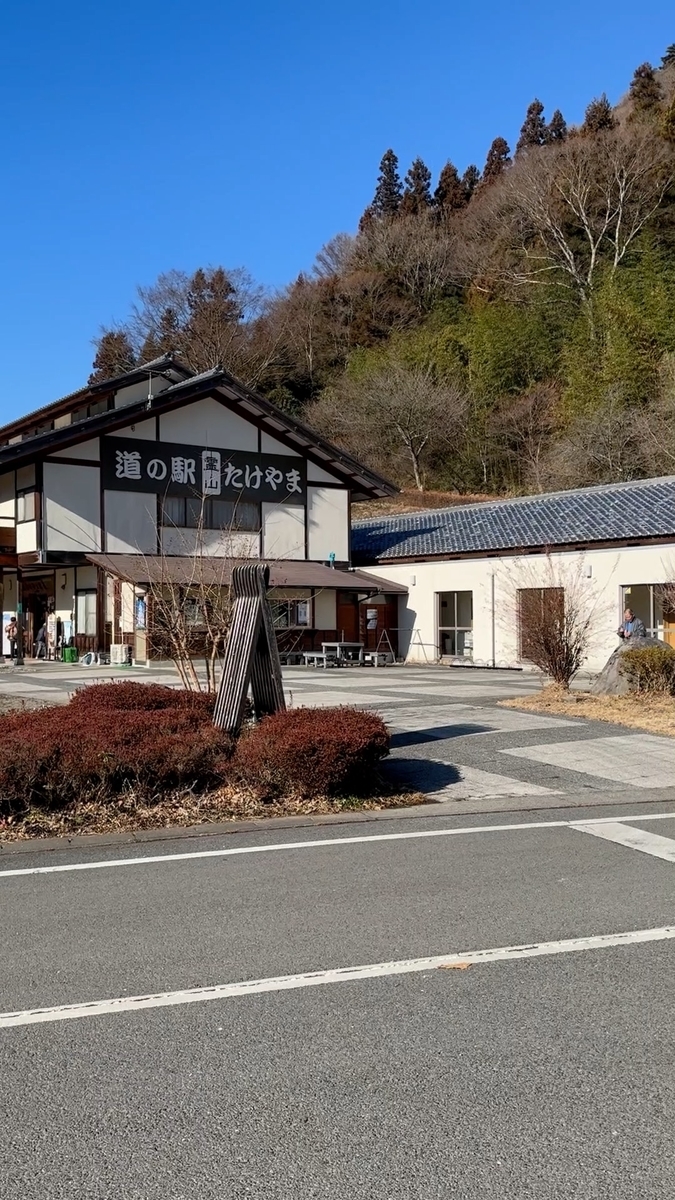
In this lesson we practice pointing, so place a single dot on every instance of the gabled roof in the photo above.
(637, 511)
(363, 483)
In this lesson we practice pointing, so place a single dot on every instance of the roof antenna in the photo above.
(150, 396)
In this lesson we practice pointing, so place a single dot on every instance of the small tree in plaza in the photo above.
(558, 615)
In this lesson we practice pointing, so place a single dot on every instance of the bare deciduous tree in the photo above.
(393, 413)
(416, 251)
(561, 212)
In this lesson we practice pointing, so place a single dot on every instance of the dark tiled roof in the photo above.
(611, 512)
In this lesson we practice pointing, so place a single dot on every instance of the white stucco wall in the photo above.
(495, 626)
(213, 542)
(26, 537)
(142, 429)
(270, 445)
(283, 531)
(328, 523)
(208, 423)
(71, 507)
(130, 522)
(325, 609)
(86, 451)
(7, 510)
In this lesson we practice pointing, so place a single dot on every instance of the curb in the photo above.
(85, 841)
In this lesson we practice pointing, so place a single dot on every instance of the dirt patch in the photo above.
(652, 714)
(409, 501)
(180, 810)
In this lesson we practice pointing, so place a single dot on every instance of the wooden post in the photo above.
(251, 653)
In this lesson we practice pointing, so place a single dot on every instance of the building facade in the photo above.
(132, 479)
(470, 570)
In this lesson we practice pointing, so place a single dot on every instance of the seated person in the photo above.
(632, 626)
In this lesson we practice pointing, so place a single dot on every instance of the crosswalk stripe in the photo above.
(634, 839)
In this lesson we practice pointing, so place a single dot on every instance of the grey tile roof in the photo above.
(611, 512)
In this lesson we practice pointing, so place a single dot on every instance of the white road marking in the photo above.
(283, 983)
(321, 843)
(634, 839)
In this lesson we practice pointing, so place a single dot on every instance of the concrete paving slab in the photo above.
(643, 760)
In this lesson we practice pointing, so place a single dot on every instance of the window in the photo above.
(654, 605)
(25, 506)
(85, 613)
(289, 614)
(541, 615)
(455, 624)
(181, 513)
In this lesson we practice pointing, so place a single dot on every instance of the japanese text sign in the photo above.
(136, 465)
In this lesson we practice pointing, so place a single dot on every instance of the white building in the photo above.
(467, 569)
(154, 466)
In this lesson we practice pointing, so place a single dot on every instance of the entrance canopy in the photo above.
(184, 570)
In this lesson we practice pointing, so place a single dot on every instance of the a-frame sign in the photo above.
(251, 653)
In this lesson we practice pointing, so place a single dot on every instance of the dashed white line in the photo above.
(283, 983)
(318, 843)
(633, 839)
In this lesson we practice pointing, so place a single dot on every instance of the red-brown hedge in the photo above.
(109, 739)
(312, 752)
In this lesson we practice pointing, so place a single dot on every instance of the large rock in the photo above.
(611, 681)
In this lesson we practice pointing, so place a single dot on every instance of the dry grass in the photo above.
(412, 501)
(653, 714)
(183, 809)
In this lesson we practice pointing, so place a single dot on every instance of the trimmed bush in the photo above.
(312, 752)
(650, 669)
(109, 740)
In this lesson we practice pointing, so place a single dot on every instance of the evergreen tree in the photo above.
(599, 116)
(533, 130)
(450, 195)
(366, 220)
(496, 162)
(164, 339)
(114, 356)
(417, 190)
(645, 90)
(556, 130)
(470, 181)
(668, 59)
(387, 199)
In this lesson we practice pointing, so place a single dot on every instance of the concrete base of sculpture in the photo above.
(611, 681)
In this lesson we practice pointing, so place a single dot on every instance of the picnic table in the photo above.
(334, 654)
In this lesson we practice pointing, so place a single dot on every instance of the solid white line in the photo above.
(284, 983)
(318, 843)
(634, 839)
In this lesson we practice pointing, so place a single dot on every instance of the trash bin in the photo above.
(70, 654)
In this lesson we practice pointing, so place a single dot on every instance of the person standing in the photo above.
(11, 633)
(632, 626)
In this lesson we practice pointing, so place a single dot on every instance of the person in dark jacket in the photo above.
(632, 626)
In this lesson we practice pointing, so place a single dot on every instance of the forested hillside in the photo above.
(504, 330)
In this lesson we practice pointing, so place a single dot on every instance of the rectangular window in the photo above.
(455, 624)
(541, 614)
(177, 512)
(85, 613)
(291, 614)
(25, 506)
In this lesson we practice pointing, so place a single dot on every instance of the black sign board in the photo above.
(136, 465)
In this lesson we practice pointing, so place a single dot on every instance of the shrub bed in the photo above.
(143, 743)
(650, 669)
(312, 752)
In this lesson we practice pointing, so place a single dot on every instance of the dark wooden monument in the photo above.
(251, 653)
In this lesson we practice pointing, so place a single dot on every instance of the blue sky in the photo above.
(142, 136)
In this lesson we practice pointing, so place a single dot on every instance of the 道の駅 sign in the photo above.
(136, 465)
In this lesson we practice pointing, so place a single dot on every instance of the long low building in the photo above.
(469, 570)
(120, 486)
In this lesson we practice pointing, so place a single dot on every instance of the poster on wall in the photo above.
(6, 618)
(141, 608)
(371, 618)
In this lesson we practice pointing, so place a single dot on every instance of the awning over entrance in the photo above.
(185, 570)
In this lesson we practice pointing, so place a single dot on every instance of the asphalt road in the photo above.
(545, 1077)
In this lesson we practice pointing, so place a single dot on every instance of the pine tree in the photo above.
(533, 130)
(599, 116)
(470, 181)
(496, 162)
(165, 338)
(387, 199)
(668, 59)
(114, 356)
(556, 130)
(450, 195)
(645, 90)
(417, 190)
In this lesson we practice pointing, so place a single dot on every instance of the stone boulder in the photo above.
(611, 681)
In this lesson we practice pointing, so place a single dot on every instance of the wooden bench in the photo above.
(315, 658)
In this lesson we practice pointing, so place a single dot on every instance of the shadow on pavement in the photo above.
(439, 733)
(421, 775)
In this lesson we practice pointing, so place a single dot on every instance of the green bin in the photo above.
(70, 654)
